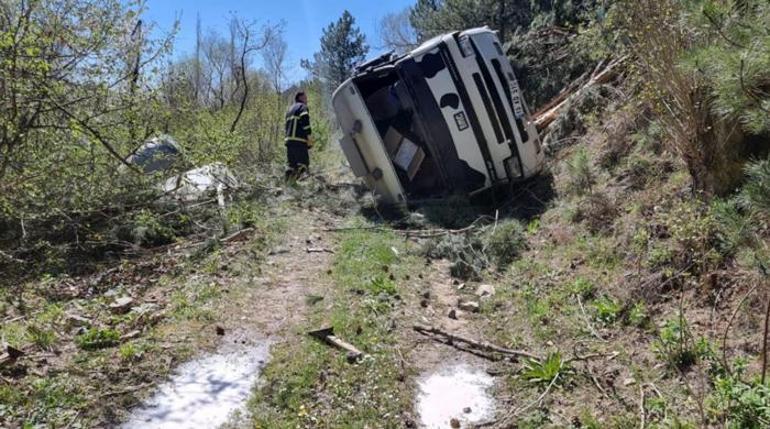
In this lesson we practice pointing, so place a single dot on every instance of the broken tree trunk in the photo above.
(544, 117)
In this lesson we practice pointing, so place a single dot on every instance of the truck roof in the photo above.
(389, 58)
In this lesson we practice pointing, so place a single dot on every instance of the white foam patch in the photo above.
(446, 394)
(202, 393)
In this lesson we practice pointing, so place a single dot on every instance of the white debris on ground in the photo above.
(196, 183)
(458, 393)
(203, 393)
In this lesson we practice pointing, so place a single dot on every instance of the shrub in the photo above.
(637, 315)
(583, 288)
(755, 194)
(464, 251)
(581, 174)
(96, 338)
(607, 310)
(597, 212)
(677, 347)
(504, 243)
(741, 404)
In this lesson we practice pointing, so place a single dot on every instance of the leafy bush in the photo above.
(741, 404)
(677, 347)
(96, 338)
(583, 288)
(637, 315)
(504, 243)
(607, 310)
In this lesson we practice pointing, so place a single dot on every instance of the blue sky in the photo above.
(304, 19)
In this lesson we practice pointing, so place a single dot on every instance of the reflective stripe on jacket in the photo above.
(298, 123)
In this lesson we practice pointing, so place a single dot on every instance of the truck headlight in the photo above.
(513, 167)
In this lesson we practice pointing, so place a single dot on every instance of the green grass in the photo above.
(367, 277)
(98, 338)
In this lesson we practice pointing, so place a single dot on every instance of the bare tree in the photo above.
(274, 59)
(397, 33)
(249, 40)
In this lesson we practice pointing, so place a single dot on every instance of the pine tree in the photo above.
(343, 46)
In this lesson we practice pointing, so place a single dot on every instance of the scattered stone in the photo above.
(454, 423)
(485, 291)
(220, 330)
(74, 320)
(453, 314)
(461, 286)
(469, 306)
(467, 410)
(352, 357)
(629, 381)
(13, 352)
(122, 305)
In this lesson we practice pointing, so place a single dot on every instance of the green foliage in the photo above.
(607, 310)
(677, 347)
(741, 404)
(733, 228)
(580, 172)
(343, 46)
(545, 372)
(503, 243)
(380, 284)
(755, 194)
(583, 288)
(41, 336)
(733, 56)
(637, 315)
(98, 338)
(130, 352)
(149, 228)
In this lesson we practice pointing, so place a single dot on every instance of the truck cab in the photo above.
(446, 118)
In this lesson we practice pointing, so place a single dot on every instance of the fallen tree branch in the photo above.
(480, 345)
(543, 119)
(588, 321)
(729, 324)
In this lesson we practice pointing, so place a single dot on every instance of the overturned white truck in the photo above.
(446, 118)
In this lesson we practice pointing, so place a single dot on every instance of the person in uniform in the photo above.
(299, 138)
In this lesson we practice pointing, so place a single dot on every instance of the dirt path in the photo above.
(452, 384)
(265, 311)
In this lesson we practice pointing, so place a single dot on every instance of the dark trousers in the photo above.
(298, 159)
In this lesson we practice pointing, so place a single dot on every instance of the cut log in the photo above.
(543, 117)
